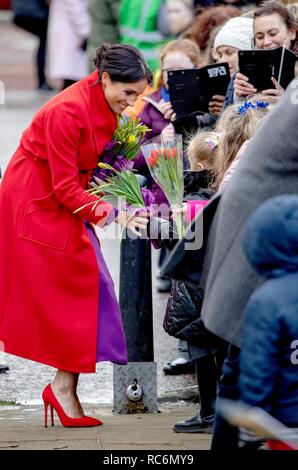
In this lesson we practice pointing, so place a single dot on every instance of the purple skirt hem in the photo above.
(111, 344)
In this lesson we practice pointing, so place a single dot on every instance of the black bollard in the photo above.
(136, 298)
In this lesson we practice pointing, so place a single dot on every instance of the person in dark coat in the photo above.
(268, 364)
(32, 15)
(228, 279)
(219, 265)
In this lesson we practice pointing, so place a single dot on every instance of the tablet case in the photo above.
(260, 65)
(191, 90)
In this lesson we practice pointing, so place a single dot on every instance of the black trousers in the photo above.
(209, 370)
(67, 83)
(225, 436)
(38, 27)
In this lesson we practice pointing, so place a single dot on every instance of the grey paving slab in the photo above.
(130, 432)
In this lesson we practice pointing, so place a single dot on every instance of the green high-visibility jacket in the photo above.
(138, 27)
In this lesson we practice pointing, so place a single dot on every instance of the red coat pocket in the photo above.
(47, 222)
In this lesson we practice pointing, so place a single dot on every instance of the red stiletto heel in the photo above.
(46, 405)
(52, 415)
(49, 399)
(46, 415)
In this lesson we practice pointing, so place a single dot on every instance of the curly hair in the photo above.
(208, 19)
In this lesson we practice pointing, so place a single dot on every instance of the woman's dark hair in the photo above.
(122, 62)
(269, 7)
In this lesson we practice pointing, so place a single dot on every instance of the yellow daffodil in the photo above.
(131, 139)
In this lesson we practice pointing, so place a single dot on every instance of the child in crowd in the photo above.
(235, 127)
(206, 353)
(269, 355)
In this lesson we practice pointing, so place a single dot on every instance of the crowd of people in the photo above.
(240, 158)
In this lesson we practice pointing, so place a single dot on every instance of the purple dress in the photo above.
(111, 344)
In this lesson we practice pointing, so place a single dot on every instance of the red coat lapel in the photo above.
(103, 119)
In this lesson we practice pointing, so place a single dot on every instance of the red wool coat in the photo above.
(48, 271)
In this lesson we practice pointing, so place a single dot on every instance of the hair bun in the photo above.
(100, 53)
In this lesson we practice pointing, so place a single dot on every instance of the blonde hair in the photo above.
(234, 128)
(202, 148)
(186, 46)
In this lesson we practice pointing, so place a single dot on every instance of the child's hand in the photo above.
(168, 133)
(167, 110)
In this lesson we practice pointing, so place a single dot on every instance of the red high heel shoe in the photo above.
(49, 399)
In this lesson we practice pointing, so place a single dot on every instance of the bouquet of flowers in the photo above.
(123, 148)
(165, 162)
(114, 178)
(122, 185)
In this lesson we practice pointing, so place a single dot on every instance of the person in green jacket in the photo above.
(105, 25)
(139, 26)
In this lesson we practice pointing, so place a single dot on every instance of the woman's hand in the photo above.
(242, 86)
(168, 133)
(216, 104)
(135, 223)
(272, 95)
(167, 110)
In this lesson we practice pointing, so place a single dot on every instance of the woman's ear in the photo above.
(105, 79)
(200, 166)
(293, 35)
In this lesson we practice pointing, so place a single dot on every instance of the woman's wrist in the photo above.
(112, 217)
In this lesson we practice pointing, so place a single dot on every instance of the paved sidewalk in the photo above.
(21, 428)
(17, 55)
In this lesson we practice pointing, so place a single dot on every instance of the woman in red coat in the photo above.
(57, 299)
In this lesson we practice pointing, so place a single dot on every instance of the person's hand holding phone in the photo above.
(242, 86)
(167, 110)
(272, 95)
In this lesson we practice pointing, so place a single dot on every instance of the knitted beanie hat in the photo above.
(237, 32)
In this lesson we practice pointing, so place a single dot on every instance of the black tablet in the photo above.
(191, 90)
(260, 65)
